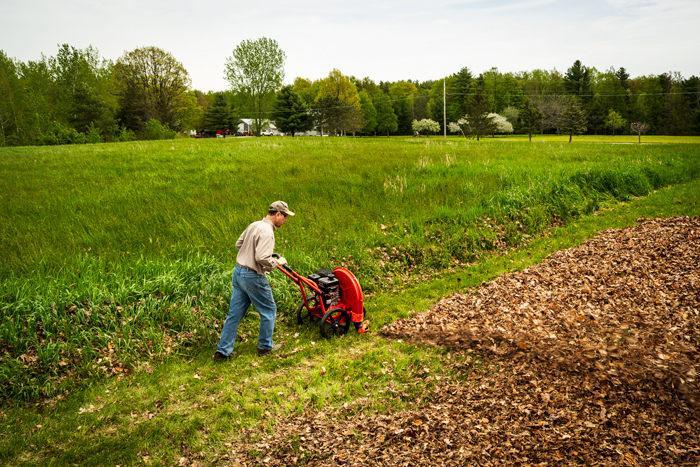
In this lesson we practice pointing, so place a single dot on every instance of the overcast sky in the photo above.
(384, 39)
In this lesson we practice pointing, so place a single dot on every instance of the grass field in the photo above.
(118, 257)
(608, 139)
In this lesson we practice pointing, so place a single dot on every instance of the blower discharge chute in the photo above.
(334, 297)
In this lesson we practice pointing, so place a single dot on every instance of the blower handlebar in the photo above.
(285, 266)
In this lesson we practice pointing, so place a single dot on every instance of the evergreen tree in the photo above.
(530, 119)
(386, 118)
(403, 106)
(289, 113)
(478, 109)
(577, 80)
(92, 110)
(573, 120)
(624, 77)
(460, 87)
(220, 115)
(435, 104)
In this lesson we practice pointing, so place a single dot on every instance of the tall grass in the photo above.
(119, 253)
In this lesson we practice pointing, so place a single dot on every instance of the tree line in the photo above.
(77, 96)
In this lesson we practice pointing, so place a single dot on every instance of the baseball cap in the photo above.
(280, 206)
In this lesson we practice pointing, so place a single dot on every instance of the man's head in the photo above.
(278, 212)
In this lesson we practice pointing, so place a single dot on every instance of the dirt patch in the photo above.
(589, 358)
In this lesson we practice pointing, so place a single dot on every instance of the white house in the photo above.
(269, 128)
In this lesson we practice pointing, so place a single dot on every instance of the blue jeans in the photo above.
(249, 287)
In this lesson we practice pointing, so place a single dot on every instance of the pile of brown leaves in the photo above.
(622, 306)
(590, 358)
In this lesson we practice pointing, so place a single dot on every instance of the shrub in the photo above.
(93, 134)
(155, 130)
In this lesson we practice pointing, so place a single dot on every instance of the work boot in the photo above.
(218, 356)
(263, 352)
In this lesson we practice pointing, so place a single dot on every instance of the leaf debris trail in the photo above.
(590, 358)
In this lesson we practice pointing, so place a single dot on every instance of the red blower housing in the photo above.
(334, 297)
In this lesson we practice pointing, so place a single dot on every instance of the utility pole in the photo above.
(444, 110)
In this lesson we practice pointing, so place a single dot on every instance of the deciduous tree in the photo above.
(639, 128)
(369, 86)
(306, 90)
(151, 83)
(11, 100)
(502, 125)
(255, 70)
(615, 121)
(83, 88)
(426, 125)
(551, 108)
(353, 120)
(339, 86)
(326, 113)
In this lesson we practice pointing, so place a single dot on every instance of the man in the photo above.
(255, 247)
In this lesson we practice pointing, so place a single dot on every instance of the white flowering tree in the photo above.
(426, 125)
(459, 127)
(502, 124)
(454, 127)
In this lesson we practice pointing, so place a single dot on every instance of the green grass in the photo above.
(616, 139)
(120, 253)
(164, 412)
(166, 199)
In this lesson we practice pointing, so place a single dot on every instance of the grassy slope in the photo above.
(162, 414)
(166, 199)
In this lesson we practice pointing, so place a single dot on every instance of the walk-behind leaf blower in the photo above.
(334, 297)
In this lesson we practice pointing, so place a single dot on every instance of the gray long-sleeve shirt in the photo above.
(256, 245)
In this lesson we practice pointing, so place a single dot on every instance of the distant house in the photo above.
(269, 128)
(309, 133)
(244, 126)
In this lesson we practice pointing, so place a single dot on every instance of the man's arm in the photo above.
(239, 243)
(264, 250)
